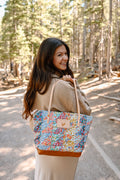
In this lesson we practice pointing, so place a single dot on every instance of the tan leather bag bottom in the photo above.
(58, 153)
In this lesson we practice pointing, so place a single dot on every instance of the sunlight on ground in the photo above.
(117, 138)
(5, 150)
(7, 124)
(76, 75)
(14, 90)
(13, 125)
(112, 143)
(12, 96)
(14, 111)
(26, 165)
(26, 151)
(106, 93)
(100, 87)
(17, 125)
(94, 109)
(21, 178)
(8, 109)
(115, 144)
(101, 115)
(94, 97)
(103, 178)
(3, 103)
(2, 173)
(102, 106)
(108, 142)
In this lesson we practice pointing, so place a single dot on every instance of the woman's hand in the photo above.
(67, 78)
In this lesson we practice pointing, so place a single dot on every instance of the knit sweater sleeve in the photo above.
(64, 96)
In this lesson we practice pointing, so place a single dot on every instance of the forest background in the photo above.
(91, 28)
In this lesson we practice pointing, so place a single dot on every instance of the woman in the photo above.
(51, 64)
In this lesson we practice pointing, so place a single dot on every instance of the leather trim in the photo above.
(58, 153)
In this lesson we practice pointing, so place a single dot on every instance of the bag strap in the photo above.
(51, 96)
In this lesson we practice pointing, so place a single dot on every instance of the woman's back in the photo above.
(53, 58)
(54, 167)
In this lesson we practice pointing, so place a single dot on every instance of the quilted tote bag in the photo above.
(60, 133)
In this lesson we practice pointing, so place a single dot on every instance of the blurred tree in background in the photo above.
(91, 28)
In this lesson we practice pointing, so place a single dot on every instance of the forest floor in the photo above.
(102, 152)
(103, 95)
(101, 158)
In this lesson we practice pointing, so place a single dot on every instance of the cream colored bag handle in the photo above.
(51, 96)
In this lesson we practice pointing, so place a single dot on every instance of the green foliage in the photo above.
(27, 22)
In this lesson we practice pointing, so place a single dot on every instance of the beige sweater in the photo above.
(64, 99)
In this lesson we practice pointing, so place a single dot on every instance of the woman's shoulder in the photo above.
(62, 85)
(63, 89)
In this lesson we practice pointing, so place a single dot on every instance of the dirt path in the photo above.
(101, 157)
(104, 132)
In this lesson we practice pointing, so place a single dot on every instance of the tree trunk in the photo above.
(118, 32)
(73, 37)
(91, 40)
(60, 19)
(109, 58)
(101, 56)
(84, 32)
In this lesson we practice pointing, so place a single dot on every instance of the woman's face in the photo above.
(60, 58)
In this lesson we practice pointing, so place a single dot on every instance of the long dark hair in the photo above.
(42, 71)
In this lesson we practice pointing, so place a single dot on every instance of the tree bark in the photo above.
(118, 31)
(60, 20)
(84, 32)
(101, 56)
(109, 58)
